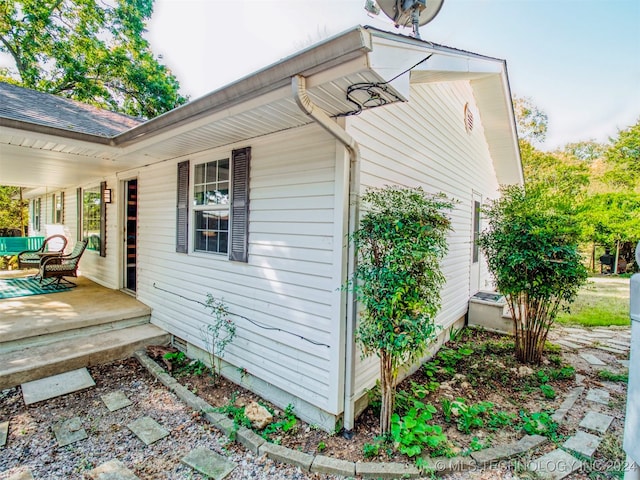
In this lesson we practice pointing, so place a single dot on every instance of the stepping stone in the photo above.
(610, 350)
(583, 443)
(592, 359)
(69, 431)
(622, 343)
(598, 335)
(23, 475)
(569, 344)
(579, 340)
(115, 400)
(574, 330)
(596, 421)
(111, 470)
(147, 430)
(567, 404)
(57, 385)
(624, 363)
(208, 463)
(555, 465)
(4, 433)
(580, 379)
(598, 395)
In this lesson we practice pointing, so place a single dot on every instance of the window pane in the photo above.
(211, 231)
(223, 170)
(199, 174)
(211, 172)
(198, 195)
(91, 217)
(223, 192)
(200, 241)
(222, 242)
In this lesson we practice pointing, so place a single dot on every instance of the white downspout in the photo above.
(305, 103)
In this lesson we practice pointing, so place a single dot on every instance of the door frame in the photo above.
(475, 253)
(124, 260)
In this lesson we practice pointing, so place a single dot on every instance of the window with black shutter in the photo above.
(219, 205)
(182, 208)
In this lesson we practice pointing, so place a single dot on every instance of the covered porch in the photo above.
(47, 334)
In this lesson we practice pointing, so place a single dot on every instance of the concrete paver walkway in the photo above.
(599, 348)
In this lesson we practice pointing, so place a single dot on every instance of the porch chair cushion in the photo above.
(56, 268)
(31, 259)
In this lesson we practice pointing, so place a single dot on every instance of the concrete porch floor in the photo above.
(43, 335)
(86, 305)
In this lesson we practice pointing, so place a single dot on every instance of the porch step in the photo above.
(71, 353)
(40, 335)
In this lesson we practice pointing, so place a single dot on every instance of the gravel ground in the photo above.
(31, 443)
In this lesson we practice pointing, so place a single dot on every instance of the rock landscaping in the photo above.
(494, 419)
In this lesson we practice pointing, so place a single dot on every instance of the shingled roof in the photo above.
(26, 105)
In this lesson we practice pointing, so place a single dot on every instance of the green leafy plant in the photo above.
(477, 444)
(236, 413)
(564, 373)
(548, 391)
(400, 243)
(412, 433)
(531, 249)
(217, 335)
(286, 424)
(321, 447)
(479, 415)
(372, 450)
(539, 423)
(542, 376)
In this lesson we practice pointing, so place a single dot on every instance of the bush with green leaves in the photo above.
(532, 251)
(397, 279)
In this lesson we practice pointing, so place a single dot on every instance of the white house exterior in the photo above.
(298, 155)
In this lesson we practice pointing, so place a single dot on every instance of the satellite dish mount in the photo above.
(405, 13)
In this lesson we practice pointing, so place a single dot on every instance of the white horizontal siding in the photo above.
(289, 283)
(424, 143)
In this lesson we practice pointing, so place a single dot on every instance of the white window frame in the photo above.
(214, 201)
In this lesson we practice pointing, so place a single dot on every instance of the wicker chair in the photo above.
(31, 258)
(56, 268)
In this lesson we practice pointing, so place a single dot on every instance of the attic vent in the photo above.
(179, 343)
(468, 118)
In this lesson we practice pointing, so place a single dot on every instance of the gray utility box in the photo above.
(489, 311)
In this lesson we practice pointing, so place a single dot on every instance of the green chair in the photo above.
(31, 258)
(56, 268)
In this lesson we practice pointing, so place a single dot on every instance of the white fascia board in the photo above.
(390, 58)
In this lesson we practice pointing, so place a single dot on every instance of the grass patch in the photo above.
(613, 377)
(604, 301)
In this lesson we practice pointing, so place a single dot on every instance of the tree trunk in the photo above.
(387, 392)
(615, 261)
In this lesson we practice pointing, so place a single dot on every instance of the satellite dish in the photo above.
(414, 13)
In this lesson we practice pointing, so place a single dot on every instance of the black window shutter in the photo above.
(240, 160)
(103, 221)
(182, 208)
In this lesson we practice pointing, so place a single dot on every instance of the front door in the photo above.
(130, 233)
(474, 278)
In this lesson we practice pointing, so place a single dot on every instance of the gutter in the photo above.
(336, 50)
(298, 84)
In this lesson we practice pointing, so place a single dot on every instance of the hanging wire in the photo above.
(253, 322)
(376, 92)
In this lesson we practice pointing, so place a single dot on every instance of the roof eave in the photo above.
(333, 51)
(59, 132)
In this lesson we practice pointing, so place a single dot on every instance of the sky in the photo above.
(577, 60)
